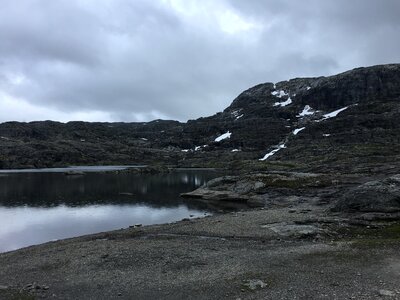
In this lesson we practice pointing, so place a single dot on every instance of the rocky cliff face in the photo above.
(344, 121)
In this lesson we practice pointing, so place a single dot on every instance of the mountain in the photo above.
(338, 123)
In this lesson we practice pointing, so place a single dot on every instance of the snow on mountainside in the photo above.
(353, 112)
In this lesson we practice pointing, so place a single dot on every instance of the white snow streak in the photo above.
(334, 113)
(279, 94)
(273, 152)
(307, 111)
(223, 137)
(296, 131)
(285, 103)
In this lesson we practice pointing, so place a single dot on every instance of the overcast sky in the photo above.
(138, 60)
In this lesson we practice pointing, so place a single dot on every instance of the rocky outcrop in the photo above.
(374, 196)
(293, 116)
(265, 189)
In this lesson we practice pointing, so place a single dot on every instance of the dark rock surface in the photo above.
(373, 196)
(363, 136)
(327, 200)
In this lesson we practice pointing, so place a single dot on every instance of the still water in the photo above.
(46, 205)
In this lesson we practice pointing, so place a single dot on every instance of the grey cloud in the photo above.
(138, 60)
(34, 31)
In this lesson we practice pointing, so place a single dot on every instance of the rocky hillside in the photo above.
(335, 123)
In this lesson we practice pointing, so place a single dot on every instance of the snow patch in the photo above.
(224, 136)
(307, 111)
(144, 139)
(185, 150)
(236, 150)
(297, 130)
(235, 113)
(198, 148)
(326, 134)
(285, 103)
(280, 147)
(279, 94)
(334, 113)
(308, 88)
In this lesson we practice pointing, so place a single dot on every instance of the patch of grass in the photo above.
(338, 256)
(296, 182)
(362, 237)
(15, 295)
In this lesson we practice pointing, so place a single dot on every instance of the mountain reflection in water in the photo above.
(40, 207)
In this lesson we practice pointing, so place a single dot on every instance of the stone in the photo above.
(374, 196)
(255, 284)
(386, 293)
(293, 230)
(126, 194)
(208, 194)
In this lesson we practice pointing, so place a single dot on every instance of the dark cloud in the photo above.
(140, 60)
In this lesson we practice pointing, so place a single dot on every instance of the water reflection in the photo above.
(51, 189)
(29, 226)
(39, 207)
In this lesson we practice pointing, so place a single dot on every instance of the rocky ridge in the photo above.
(317, 158)
(307, 122)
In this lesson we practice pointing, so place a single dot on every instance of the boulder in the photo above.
(207, 194)
(374, 196)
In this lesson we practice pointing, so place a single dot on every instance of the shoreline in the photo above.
(277, 253)
(313, 236)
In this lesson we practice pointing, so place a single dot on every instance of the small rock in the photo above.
(138, 225)
(30, 286)
(74, 173)
(126, 194)
(386, 293)
(3, 287)
(254, 284)
(191, 216)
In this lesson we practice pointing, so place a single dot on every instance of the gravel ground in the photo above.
(278, 253)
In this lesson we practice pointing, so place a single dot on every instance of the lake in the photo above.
(38, 206)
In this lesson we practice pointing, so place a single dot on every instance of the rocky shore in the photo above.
(312, 236)
(314, 175)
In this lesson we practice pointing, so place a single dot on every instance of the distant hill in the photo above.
(349, 121)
